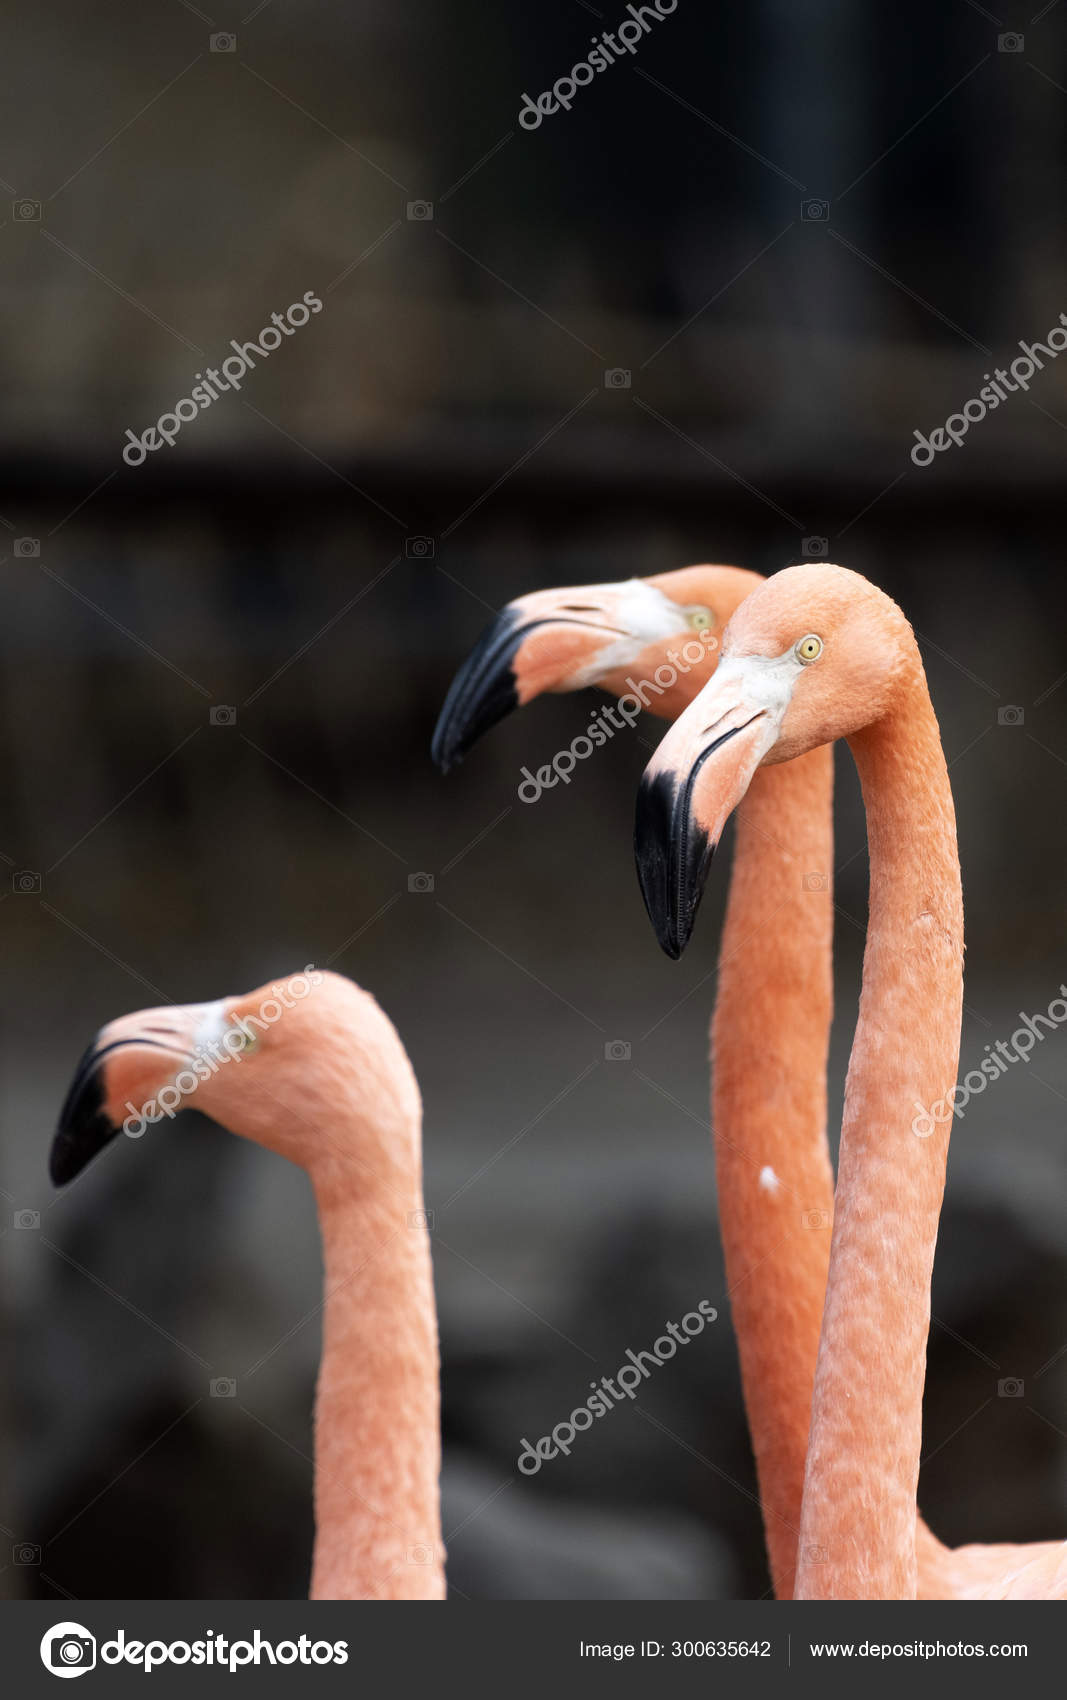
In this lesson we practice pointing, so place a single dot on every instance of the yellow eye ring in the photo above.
(700, 619)
(808, 649)
(248, 1041)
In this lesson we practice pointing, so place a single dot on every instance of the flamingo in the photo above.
(815, 654)
(313, 1069)
(772, 1016)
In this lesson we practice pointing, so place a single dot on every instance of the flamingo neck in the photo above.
(770, 1035)
(377, 1447)
(857, 1535)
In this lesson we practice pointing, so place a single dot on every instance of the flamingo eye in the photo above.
(808, 649)
(241, 1041)
(699, 619)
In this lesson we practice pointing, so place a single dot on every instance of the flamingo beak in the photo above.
(127, 1063)
(482, 692)
(551, 640)
(697, 777)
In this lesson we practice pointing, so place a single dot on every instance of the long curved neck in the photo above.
(377, 1428)
(770, 1035)
(857, 1536)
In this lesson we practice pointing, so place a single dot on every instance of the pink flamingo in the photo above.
(815, 654)
(772, 1015)
(311, 1068)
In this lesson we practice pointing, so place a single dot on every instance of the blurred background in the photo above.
(698, 317)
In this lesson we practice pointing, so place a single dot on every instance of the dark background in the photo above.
(453, 389)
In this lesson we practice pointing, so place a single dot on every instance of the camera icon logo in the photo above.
(815, 548)
(420, 212)
(815, 1219)
(420, 1555)
(1010, 715)
(616, 1050)
(223, 1387)
(26, 212)
(26, 882)
(68, 1649)
(223, 42)
(816, 1555)
(223, 714)
(420, 882)
(27, 548)
(1011, 1388)
(815, 211)
(816, 882)
(420, 548)
(1010, 42)
(24, 1552)
(27, 1219)
(617, 378)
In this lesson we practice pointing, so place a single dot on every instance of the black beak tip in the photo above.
(671, 945)
(482, 692)
(673, 854)
(451, 741)
(62, 1160)
(439, 751)
(672, 933)
(84, 1125)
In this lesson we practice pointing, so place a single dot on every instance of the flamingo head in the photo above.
(816, 653)
(595, 634)
(301, 1066)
